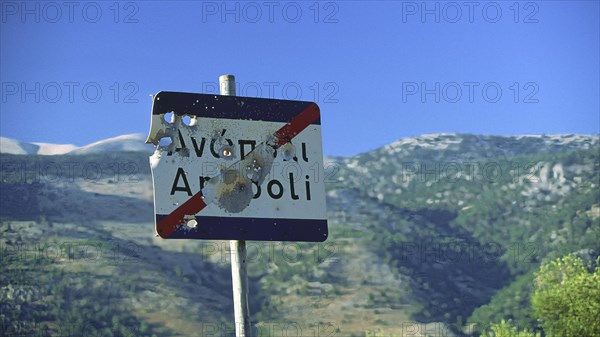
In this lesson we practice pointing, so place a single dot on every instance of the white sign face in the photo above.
(237, 168)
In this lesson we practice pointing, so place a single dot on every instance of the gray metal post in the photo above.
(239, 272)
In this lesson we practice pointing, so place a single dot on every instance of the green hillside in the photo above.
(438, 234)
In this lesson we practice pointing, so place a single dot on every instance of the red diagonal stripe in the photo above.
(299, 123)
(167, 225)
(195, 204)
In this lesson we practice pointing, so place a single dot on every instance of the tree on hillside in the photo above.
(567, 298)
(506, 329)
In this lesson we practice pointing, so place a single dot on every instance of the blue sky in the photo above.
(78, 72)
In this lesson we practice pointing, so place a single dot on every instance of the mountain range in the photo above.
(131, 142)
(433, 235)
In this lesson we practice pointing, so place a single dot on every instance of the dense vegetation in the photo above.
(411, 239)
(566, 301)
(472, 250)
(38, 298)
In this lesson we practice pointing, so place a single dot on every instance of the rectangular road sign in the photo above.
(237, 168)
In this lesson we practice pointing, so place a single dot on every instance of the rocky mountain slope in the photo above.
(432, 235)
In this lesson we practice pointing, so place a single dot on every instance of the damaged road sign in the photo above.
(237, 168)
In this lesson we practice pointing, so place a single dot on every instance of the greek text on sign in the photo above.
(237, 168)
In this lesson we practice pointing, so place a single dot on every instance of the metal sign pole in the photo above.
(239, 273)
